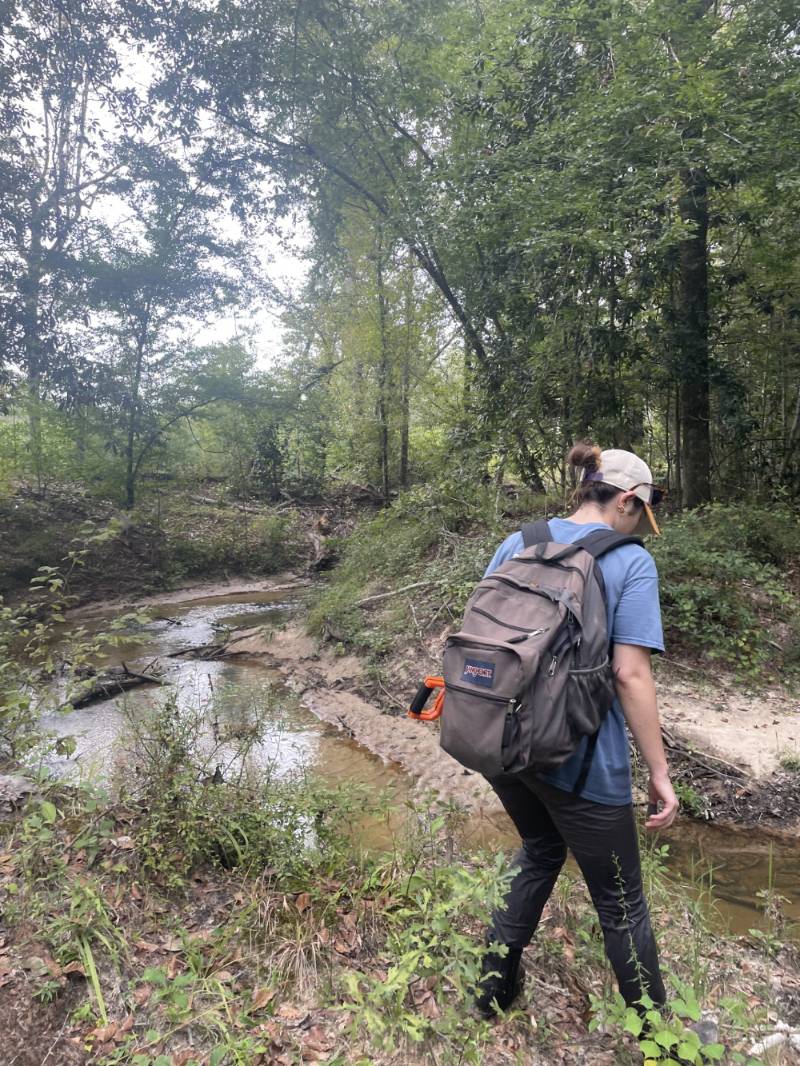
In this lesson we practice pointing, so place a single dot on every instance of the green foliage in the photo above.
(662, 1033)
(433, 948)
(438, 534)
(34, 652)
(790, 760)
(722, 591)
(253, 820)
(227, 541)
(692, 801)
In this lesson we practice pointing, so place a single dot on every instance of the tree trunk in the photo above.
(383, 370)
(405, 379)
(131, 465)
(32, 341)
(527, 465)
(692, 342)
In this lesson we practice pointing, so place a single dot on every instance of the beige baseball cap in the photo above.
(628, 472)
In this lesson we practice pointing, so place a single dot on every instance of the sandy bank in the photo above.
(746, 732)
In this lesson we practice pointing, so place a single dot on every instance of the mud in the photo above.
(328, 685)
(730, 742)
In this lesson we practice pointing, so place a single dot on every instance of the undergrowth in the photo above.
(297, 945)
(727, 575)
(168, 538)
(206, 908)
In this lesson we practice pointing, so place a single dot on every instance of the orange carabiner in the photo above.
(417, 711)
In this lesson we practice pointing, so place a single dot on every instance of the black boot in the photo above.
(501, 982)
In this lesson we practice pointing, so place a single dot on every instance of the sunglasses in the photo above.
(656, 494)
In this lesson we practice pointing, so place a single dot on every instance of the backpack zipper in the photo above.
(508, 625)
(522, 587)
(547, 562)
(482, 695)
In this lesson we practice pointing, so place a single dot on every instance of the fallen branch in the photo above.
(393, 698)
(394, 592)
(701, 759)
(111, 683)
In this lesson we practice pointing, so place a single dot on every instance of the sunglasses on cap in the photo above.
(656, 494)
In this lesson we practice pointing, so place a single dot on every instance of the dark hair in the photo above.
(586, 456)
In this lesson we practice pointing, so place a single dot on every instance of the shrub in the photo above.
(722, 592)
(224, 542)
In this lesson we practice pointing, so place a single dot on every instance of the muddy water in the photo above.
(727, 867)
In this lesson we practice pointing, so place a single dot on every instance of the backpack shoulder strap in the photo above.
(536, 532)
(601, 541)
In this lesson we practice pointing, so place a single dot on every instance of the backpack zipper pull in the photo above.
(552, 671)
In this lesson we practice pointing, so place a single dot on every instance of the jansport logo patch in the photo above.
(478, 673)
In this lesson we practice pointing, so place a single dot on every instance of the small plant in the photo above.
(661, 1033)
(692, 802)
(435, 957)
(790, 760)
(40, 668)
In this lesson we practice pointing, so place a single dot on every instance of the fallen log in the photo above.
(110, 683)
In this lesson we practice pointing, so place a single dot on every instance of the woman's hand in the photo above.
(663, 804)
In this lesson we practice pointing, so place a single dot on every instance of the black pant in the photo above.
(603, 840)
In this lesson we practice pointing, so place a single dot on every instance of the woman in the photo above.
(597, 825)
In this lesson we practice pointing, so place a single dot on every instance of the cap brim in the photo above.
(651, 518)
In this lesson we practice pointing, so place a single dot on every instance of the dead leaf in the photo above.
(74, 967)
(318, 1039)
(124, 1027)
(180, 1058)
(311, 1054)
(105, 1032)
(303, 901)
(171, 943)
(173, 967)
(146, 945)
(136, 892)
(223, 975)
(41, 966)
(142, 994)
(293, 1017)
(429, 1007)
(324, 935)
(261, 997)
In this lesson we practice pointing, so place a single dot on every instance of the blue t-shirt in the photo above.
(634, 617)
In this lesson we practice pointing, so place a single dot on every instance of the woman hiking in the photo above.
(596, 824)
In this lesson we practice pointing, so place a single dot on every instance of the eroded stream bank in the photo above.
(313, 718)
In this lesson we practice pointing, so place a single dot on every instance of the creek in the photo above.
(741, 862)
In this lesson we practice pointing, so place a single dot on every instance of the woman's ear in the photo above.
(622, 502)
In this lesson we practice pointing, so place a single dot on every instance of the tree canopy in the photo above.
(528, 223)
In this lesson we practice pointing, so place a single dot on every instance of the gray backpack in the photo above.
(529, 673)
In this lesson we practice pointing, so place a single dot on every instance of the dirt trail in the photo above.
(751, 730)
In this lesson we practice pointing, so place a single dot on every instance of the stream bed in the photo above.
(742, 862)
